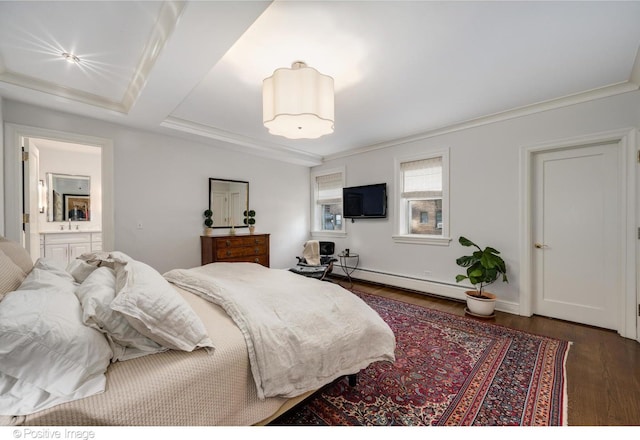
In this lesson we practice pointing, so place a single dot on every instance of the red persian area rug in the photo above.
(449, 371)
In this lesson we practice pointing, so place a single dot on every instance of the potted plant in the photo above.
(483, 268)
(250, 220)
(208, 222)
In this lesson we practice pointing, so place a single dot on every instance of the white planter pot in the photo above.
(481, 306)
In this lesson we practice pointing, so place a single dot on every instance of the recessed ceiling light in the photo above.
(71, 58)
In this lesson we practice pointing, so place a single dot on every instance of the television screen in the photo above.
(365, 201)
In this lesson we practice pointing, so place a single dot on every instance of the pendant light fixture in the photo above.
(297, 103)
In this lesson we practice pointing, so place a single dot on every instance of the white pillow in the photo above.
(44, 344)
(11, 276)
(154, 308)
(17, 253)
(96, 294)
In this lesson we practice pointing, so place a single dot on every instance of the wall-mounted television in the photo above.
(367, 201)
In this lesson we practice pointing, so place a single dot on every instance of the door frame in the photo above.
(34, 165)
(13, 174)
(626, 140)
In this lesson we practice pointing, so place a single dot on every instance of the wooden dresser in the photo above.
(235, 248)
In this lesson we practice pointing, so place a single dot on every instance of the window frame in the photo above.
(316, 209)
(401, 205)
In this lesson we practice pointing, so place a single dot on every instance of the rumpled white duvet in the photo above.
(301, 333)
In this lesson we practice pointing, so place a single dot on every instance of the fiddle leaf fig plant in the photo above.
(484, 266)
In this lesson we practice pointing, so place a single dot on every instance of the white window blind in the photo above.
(422, 179)
(329, 189)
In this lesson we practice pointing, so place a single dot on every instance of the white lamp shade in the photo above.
(297, 103)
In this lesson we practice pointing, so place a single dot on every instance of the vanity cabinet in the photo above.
(235, 248)
(66, 246)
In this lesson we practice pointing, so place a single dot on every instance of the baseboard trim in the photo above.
(421, 286)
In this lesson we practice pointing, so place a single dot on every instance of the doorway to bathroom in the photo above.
(58, 183)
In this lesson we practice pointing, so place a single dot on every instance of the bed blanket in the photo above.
(301, 333)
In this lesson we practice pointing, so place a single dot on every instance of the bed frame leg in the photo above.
(353, 379)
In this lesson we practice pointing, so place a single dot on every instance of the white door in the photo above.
(578, 235)
(30, 184)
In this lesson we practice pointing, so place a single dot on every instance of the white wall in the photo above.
(162, 182)
(484, 190)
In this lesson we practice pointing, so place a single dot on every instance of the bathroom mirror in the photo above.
(68, 197)
(228, 199)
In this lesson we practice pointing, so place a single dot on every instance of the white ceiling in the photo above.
(401, 69)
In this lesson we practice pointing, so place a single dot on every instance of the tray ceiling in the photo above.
(401, 69)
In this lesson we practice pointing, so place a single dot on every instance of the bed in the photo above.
(217, 363)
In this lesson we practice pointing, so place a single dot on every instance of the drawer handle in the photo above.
(228, 243)
(257, 241)
(257, 260)
(228, 253)
(257, 250)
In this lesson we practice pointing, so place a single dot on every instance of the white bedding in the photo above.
(47, 355)
(58, 336)
(301, 333)
(174, 388)
(57, 340)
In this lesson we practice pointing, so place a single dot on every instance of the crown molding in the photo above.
(162, 30)
(590, 95)
(270, 150)
(60, 91)
(280, 152)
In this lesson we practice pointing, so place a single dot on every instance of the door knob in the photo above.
(540, 246)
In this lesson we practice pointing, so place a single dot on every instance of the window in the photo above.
(327, 208)
(422, 199)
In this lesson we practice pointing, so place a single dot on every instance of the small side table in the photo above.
(348, 264)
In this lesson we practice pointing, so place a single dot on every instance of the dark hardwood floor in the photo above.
(603, 369)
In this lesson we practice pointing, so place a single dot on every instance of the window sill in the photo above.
(422, 239)
(328, 234)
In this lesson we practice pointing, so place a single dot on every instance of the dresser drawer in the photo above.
(232, 252)
(235, 242)
(260, 259)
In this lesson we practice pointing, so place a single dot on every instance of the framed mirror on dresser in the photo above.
(228, 200)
